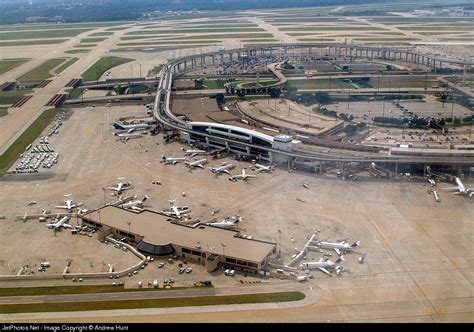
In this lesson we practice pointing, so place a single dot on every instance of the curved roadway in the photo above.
(163, 114)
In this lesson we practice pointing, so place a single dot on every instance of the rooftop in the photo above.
(158, 231)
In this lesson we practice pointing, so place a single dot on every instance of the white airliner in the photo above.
(61, 223)
(193, 153)
(461, 188)
(128, 135)
(197, 163)
(222, 169)
(121, 126)
(261, 168)
(70, 204)
(326, 266)
(226, 223)
(340, 246)
(176, 211)
(242, 176)
(135, 204)
(172, 160)
(121, 186)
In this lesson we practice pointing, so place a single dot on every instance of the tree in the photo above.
(220, 98)
(275, 93)
(241, 93)
(322, 97)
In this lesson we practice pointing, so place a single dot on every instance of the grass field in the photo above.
(101, 66)
(158, 303)
(30, 134)
(77, 51)
(168, 42)
(32, 42)
(194, 30)
(85, 45)
(320, 84)
(75, 93)
(311, 19)
(92, 40)
(41, 34)
(41, 72)
(225, 36)
(60, 290)
(11, 97)
(440, 28)
(9, 64)
(157, 49)
(3, 111)
(330, 28)
(116, 28)
(100, 34)
(37, 27)
(69, 62)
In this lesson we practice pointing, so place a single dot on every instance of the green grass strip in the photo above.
(155, 303)
(69, 62)
(12, 96)
(77, 51)
(100, 34)
(32, 42)
(92, 40)
(28, 136)
(41, 34)
(7, 65)
(102, 65)
(41, 72)
(3, 111)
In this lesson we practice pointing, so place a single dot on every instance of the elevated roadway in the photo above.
(164, 115)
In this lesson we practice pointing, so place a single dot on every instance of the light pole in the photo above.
(452, 107)
(103, 189)
(368, 124)
(279, 242)
(129, 233)
(223, 250)
(140, 70)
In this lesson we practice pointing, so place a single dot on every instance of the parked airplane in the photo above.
(135, 204)
(193, 153)
(172, 160)
(121, 186)
(121, 126)
(461, 188)
(58, 224)
(222, 169)
(197, 163)
(242, 176)
(338, 247)
(176, 211)
(128, 135)
(226, 223)
(325, 266)
(261, 168)
(70, 204)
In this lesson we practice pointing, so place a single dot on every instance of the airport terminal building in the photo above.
(252, 138)
(154, 235)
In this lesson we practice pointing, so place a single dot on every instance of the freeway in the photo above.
(163, 114)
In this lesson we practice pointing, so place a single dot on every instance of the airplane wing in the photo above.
(131, 130)
(62, 207)
(67, 226)
(226, 171)
(337, 251)
(324, 270)
(200, 166)
(136, 208)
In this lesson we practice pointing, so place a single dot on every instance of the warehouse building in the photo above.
(154, 235)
